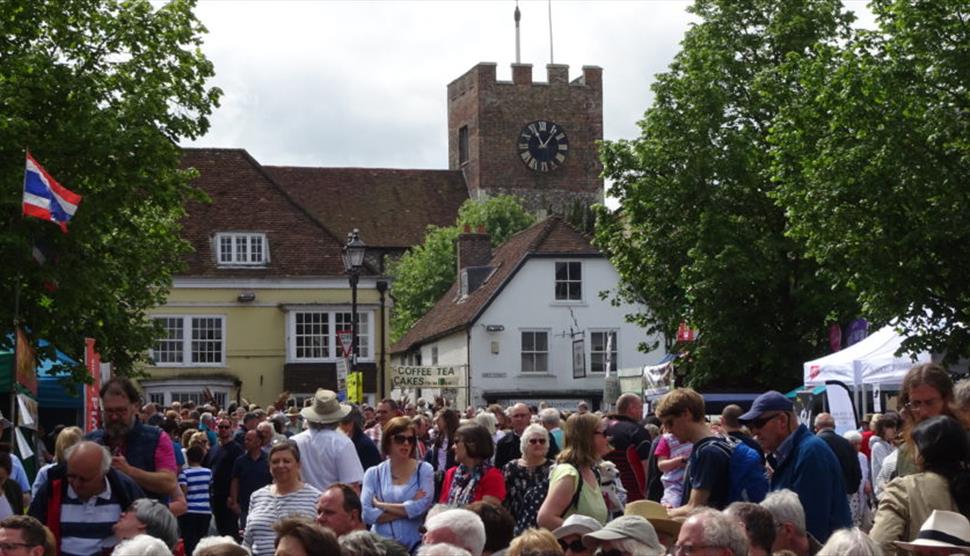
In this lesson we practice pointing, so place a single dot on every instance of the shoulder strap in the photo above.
(574, 503)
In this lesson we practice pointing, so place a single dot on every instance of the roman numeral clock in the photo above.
(543, 145)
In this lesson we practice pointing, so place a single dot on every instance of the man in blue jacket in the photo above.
(801, 462)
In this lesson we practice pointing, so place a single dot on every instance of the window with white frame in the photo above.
(242, 249)
(535, 351)
(190, 340)
(313, 334)
(598, 340)
(569, 281)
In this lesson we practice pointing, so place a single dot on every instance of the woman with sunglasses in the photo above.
(574, 486)
(397, 493)
(527, 478)
(474, 478)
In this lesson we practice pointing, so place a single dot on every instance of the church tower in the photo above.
(535, 140)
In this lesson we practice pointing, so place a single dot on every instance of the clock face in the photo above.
(543, 145)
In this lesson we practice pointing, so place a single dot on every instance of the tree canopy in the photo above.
(872, 160)
(697, 237)
(100, 92)
(426, 272)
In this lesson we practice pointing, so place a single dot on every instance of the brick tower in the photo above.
(536, 140)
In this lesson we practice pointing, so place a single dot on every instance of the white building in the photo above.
(515, 319)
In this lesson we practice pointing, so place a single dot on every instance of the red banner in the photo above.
(685, 333)
(92, 402)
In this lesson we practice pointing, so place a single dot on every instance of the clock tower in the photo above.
(535, 140)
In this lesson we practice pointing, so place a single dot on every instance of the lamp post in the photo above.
(353, 255)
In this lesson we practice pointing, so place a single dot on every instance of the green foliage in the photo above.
(100, 91)
(697, 237)
(873, 162)
(426, 272)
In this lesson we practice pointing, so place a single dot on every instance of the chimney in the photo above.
(474, 254)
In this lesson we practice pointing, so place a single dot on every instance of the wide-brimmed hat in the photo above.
(293, 410)
(326, 408)
(949, 530)
(627, 527)
(577, 524)
(656, 514)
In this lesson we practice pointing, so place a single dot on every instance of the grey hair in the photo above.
(486, 419)
(361, 543)
(142, 545)
(531, 431)
(853, 436)
(785, 507)
(850, 542)
(105, 454)
(722, 531)
(158, 520)
(442, 549)
(207, 545)
(550, 417)
(961, 393)
(465, 524)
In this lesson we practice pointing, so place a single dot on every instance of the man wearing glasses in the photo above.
(22, 535)
(801, 462)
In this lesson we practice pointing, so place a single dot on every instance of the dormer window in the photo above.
(242, 249)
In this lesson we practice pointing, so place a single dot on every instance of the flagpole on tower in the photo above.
(518, 16)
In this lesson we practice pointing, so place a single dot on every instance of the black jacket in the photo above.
(509, 448)
(848, 460)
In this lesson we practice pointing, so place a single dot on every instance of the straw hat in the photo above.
(627, 527)
(656, 514)
(293, 410)
(949, 530)
(326, 408)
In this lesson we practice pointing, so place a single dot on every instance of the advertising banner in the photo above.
(407, 376)
(92, 402)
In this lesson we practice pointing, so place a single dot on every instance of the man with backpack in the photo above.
(719, 471)
(801, 462)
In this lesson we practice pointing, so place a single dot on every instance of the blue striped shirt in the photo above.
(86, 525)
(197, 480)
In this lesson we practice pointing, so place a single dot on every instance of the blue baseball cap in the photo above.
(769, 401)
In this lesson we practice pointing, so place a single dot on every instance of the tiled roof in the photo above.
(245, 199)
(391, 208)
(551, 237)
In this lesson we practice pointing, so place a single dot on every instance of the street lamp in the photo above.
(353, 255)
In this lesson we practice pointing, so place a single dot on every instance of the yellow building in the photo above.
(263, 296)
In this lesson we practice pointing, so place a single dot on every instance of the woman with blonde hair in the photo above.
(574, 487)
(534, 542)
(68, 437)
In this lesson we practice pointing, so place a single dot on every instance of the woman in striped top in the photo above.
(288, 496)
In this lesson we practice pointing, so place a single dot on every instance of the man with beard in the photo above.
(141, 451)
(223, 457)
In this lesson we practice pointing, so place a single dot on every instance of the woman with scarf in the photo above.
(473, 479)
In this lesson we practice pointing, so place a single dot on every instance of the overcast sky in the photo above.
(329, 83)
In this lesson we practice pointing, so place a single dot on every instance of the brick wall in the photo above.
(496, 111)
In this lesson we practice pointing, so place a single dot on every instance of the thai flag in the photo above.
(45, 198)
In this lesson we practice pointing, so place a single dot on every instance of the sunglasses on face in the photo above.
(575, 546)
(403, 439)
(537, 441)
(223, 426)
(762, 421)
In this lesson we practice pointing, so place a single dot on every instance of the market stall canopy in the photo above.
(51, 392)
(871, 361)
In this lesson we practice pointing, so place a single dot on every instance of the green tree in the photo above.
(426, 272)
(100, 91)
(696, 237)
(873, 165)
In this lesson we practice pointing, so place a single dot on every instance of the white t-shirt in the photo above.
(327, 457)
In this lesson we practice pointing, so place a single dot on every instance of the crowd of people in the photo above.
(402, 479)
